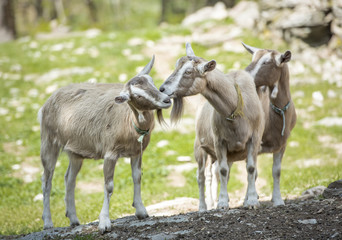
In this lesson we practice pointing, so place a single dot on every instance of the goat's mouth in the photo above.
(165, 104)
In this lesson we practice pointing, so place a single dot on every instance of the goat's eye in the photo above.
(188, 72)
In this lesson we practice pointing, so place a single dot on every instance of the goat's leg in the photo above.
(75, 164)
(221, 153)
(251, 199)
(49, 153)
(207, 161)
(214, 181)
(201, 158)
(108, 170)
(276, 171)
(140, 211)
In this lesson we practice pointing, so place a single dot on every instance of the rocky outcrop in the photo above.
(334, 190)
(314, 23)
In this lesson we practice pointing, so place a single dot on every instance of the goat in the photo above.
(230, 125)
(271, 76)
(269, 69)
(84, 121)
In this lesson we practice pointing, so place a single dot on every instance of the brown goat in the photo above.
(269, 69)
(230, 125)
(98, 121)
(272, 79)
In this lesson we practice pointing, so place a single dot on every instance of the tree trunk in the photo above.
(7, 21)
(92, 9)
(228, 3)
(39, 8)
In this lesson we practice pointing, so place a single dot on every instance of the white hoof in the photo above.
(278, 202)
(141, 214)
(223, 205)
(251, 203)
(105, 225)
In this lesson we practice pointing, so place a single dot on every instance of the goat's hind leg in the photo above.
(276, 171)
(251, 199)
(224, 168)
(48, 153)
(108, 171)
(140, 211)
(75, 164)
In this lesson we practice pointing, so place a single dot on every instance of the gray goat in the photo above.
(97, 121)
(230, 125)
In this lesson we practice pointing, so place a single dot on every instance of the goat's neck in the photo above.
(284, 95)
(142, 119)
(220, 92)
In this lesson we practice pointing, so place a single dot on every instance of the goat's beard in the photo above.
(177, 109)
(160, 117)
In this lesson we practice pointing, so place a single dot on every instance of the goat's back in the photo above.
(84, 119)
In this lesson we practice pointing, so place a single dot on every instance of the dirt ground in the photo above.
(298, 219)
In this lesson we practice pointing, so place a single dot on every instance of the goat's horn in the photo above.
(250, 49)
(148, 67)
(189, 51)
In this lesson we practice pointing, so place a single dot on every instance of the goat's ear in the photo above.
(123, 97)
(207, 66)
(286, 57)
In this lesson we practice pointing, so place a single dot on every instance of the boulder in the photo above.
(334, 190)
(245, 14)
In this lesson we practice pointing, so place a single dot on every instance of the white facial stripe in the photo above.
(263, 59)
(141, 92)
(179, 75)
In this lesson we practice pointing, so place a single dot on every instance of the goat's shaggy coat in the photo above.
(96, 121)
(216, 136)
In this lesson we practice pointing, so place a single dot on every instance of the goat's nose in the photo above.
(167, 100)
(162, 89)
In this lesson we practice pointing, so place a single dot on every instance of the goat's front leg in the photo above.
(251, 199)
(75, 164)
(224, 168)
(140, 210)
(276, 171)
(201, 158)
(108, 170)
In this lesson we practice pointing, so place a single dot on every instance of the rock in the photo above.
(334, 190)
(335, 185)
(218, 12)
(314, 192)
(308, 221)
(330, 121)
(245, 14)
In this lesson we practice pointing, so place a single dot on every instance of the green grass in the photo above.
(23, 62)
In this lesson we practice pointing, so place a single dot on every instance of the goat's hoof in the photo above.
(142, 215)
(105, 226)
(74, 224)
(252, 204)
(278, 203)
(223, 206)
(202, 209)
(48, 226)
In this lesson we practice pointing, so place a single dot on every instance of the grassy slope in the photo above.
(20, 141)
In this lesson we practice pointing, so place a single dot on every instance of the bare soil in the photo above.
(298, 219)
